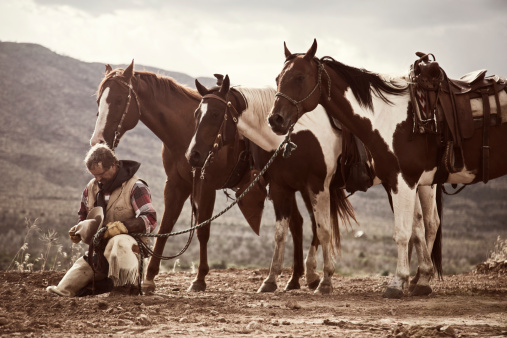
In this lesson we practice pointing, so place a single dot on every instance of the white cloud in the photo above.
(245, 39)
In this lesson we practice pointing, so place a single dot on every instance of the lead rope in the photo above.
(287, 145)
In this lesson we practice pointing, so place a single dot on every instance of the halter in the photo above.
(219, 139)
(320, 67)
(116, 140)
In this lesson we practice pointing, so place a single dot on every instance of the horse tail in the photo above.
(341, 209)
(436, 252)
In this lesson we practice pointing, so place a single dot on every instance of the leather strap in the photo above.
(485, 137)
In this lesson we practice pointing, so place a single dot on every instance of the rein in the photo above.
(320, 68)
(282, 145)
(116, 140)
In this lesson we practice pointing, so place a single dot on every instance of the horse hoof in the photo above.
(267, 287)
(148, 286)
(421, 290)
(324, 289)
(197, 287)
(411, 287)
(313, 285)
(292, 285)
(393, 293)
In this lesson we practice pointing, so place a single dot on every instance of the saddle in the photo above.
(355, 170)
(455, 108)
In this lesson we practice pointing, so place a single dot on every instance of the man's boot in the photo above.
(78, 276)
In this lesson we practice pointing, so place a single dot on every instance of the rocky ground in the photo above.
(473, 304)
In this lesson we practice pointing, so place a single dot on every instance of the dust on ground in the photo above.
(473, 304)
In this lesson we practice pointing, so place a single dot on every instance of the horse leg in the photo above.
(322, 214)
(282, 213)
(205, 210)
(404, 206)
(175, 195)
(296, 229)
(311, 275)
(420, 285)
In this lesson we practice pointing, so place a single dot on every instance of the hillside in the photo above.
(48, 112)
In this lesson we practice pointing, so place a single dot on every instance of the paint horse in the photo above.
(224, 112)
(248, 108)
(379, 111)
(124, 98)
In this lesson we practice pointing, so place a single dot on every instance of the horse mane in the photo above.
(260, 100)
(362, 82)
(154, 81)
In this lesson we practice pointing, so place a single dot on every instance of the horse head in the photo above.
(216, 119)
(297, 86)
(118, 106)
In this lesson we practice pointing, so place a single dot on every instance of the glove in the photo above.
(72, 234)
(115, 228)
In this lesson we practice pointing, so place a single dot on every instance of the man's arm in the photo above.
(146, 216)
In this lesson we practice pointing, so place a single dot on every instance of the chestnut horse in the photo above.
(310, 168)
(124, 98)
(318, 147)
(405, 161)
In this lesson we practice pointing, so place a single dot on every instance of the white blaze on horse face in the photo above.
(203, 108)
(100, 124)
(386, 117)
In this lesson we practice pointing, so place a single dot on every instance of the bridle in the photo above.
(116, 139)
(320, 68)
(219, 139)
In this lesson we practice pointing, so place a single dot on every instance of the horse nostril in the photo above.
(276, 120)
(194, 158)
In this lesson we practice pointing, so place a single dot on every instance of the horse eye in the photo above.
(276, 79)
(97, 114)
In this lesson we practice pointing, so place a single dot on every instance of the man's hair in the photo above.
(100, 153)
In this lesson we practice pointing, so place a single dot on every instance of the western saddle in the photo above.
(455, 108)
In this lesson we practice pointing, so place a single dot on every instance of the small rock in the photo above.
(183, 320)
(253, 325)
(3, 321)
(102, 305)
(143, 320)
(447, 330)
(221, 320)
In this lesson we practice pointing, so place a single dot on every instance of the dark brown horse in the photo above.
(310, 169)
(379, 111)
(125, 97)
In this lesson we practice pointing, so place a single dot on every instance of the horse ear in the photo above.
(286, 50)
(220, 79)
(108, 69)
(224, 88)
(310, 54)
(200, 88)
(129, 71)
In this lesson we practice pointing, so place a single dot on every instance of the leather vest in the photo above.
(118, 207)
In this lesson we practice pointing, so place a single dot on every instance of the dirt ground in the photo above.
(473, 304)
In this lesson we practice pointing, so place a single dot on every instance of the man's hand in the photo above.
(115, 228)
(72, 234)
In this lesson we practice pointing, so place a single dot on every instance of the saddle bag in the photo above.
(359, 177)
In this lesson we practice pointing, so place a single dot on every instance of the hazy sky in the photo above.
(245, 38)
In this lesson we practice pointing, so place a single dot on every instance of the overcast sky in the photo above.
(245, 38)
